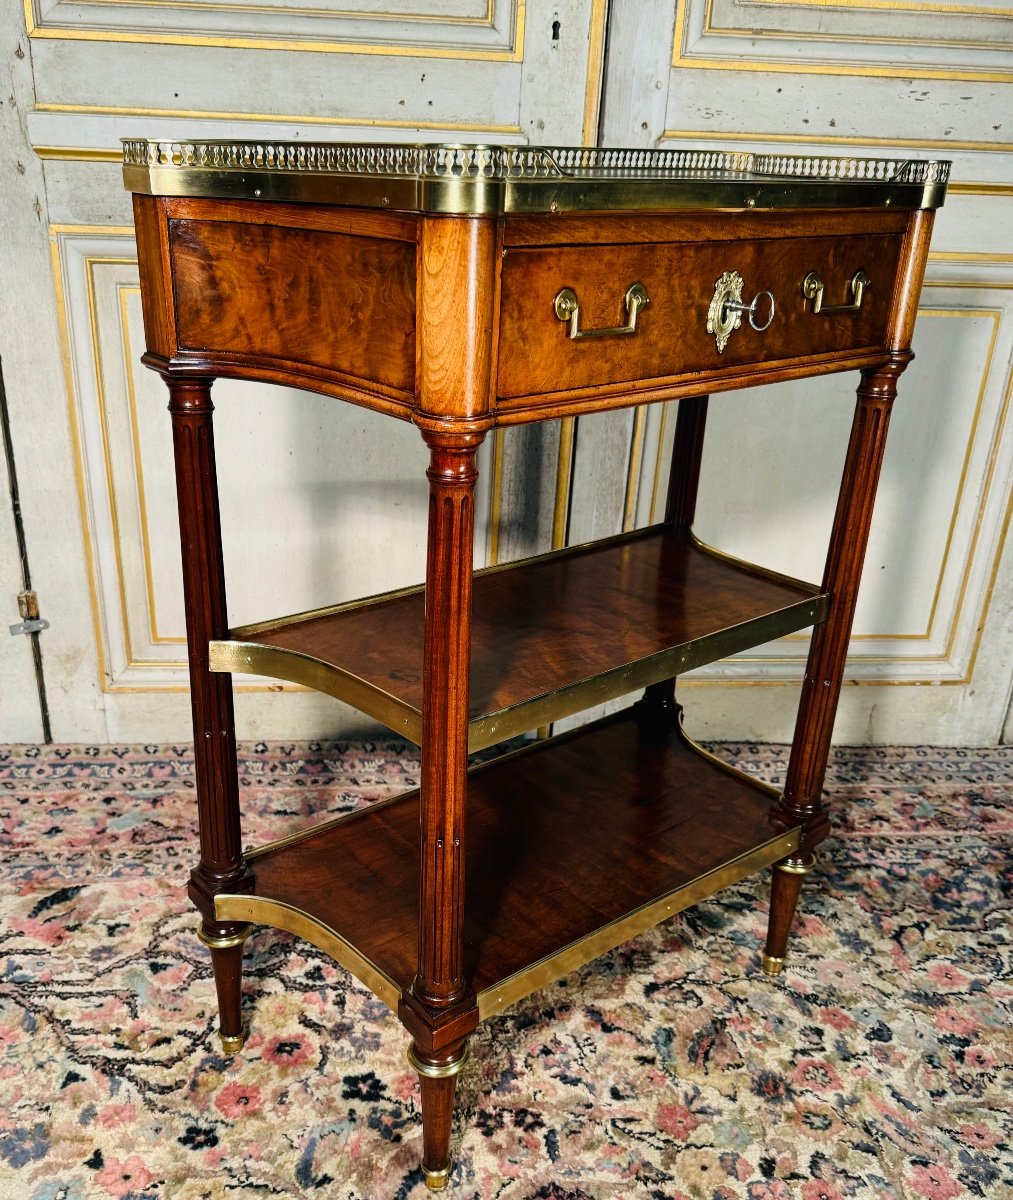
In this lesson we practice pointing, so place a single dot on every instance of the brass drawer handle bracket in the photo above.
(812, 289)
(724, 315)
(567, 308)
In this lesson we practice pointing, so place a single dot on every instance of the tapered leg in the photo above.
(438, 1079)
(221, 867)
(441, 1009)
(226, 945)
(786, 883)
(801, 802)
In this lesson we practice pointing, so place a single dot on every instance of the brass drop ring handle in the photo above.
(567, 308)
(750, 310)
(812, 289)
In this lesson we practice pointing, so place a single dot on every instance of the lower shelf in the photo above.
(574, 846)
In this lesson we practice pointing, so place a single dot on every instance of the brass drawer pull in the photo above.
(812, 289)
(567, 308)
(726, 308)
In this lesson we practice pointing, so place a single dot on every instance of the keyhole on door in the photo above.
(555, 31)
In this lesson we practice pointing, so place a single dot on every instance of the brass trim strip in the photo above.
(734, 561)
(254, 658)
(577, 954)
(250, 657)
(608, 685)
(224, 943)
(284, 916)
(446, 1071)
(790, 868)
(493, 180)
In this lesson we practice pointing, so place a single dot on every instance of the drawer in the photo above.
(537, 354)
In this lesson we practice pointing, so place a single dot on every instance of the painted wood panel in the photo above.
(321, 502)
(928, 660)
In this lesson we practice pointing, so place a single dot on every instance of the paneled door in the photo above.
(931, 659)
(321, 502)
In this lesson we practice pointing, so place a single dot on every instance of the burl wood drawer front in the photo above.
(538, 356)
(335, 301)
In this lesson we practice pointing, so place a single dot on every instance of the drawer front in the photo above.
(538, 355)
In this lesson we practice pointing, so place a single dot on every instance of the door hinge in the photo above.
(28, 607)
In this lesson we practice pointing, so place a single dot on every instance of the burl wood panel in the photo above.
(544, 625)
(562, 839)
(331, 300)
(671, 338)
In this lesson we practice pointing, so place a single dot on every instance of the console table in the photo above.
(461, 289)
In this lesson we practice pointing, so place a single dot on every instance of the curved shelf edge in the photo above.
(263, 911)
(256, 658)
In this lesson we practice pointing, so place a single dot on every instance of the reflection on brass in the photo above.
(436, 1181)
(771, 965)
(493, 180)
(790, 867)
(249, 656)
(585, 950)
(812, 289)
(283, 916)
(566, 306)
(232, 1045)
(224, 943)
(256, 658)
(441, 1071)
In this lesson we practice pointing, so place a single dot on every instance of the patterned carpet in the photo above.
(878, 1065)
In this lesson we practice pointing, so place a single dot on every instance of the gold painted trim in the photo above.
(681, 57)
(129, 363)
(514, 53)
(360, 14)
(496, 497)
(199, 114)
(577, 954)
(813, 139)
(63, 324)
(224, 943)
(636, 453)
(78, 154)
(594, 78)
(565, 454)
(919, 6)
(982, 188)
(445, 1071)
(263, 911)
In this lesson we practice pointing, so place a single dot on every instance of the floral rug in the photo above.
(877, 1066)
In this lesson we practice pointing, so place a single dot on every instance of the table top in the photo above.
(497, 180)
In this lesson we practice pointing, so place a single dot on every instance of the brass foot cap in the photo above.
(436, 1181)
(233, 1044)
(771, 965)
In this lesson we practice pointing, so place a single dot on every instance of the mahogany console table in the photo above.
(464, 288)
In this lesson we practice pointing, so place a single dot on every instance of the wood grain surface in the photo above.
(671, 337)
(550, 623)
(562, 839)
(335, 301)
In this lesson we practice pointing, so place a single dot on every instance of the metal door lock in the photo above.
(28, 607)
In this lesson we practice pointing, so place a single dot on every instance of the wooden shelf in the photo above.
(548, 827)
(551, 635)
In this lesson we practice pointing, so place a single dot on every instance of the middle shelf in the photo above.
(551, 636)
